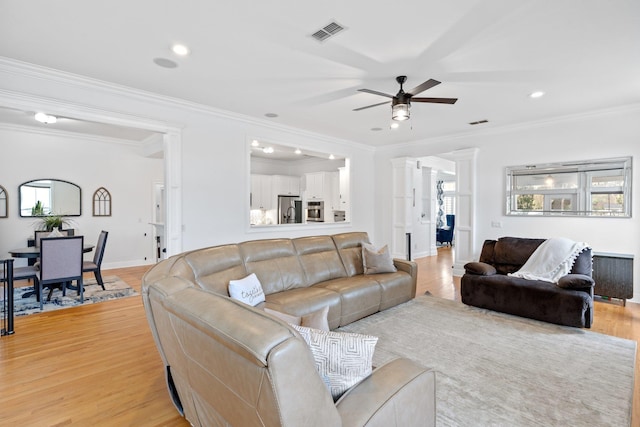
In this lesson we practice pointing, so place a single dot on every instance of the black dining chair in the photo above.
(22, 273)
(95, 265)
(60, 263)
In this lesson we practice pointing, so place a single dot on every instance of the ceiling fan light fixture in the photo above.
(45, 118)
(400, 112)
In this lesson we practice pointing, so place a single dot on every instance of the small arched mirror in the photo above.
(44, 197)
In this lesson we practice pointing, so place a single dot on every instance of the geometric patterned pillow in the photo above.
(342, 358)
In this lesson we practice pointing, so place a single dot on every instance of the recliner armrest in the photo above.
(576, 281)
(400, 393)
(479, 269)
(409, 267)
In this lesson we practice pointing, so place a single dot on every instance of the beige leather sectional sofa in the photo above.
(231, 364)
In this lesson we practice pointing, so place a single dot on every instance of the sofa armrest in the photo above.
(576, 281)
(400, 393)
(409, 267)
(479, 269)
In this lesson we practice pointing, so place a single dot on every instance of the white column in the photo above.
(403, 196)
(465, 227)
(172, 144)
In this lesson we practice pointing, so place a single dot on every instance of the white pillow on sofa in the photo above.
(377, 260)
(248, 290)
(342, 358)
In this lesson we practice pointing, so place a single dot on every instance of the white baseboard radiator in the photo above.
(613, 274)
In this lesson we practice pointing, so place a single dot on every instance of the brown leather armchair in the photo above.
(486, 284)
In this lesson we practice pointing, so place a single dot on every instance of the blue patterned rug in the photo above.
(93, 293)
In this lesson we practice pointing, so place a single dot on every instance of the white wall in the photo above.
(613, 133)
(90, 164)
(215, 155)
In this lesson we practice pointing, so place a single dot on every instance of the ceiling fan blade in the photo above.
(436, 100)
(369, 106)
(424, 86)
(375, 92)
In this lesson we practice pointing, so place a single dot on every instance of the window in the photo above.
(593, 188)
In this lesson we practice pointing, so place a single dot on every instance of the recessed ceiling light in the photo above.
(267, 150)
(255, 143)
(331, 157)
(45, 118)
(537, 94)
(394, 125)
(298, 151)
(165, 63)
(180, 49)
(271, 115)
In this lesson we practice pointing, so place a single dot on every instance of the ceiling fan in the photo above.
(401, 102)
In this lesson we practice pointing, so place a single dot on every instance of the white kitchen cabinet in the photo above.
(315, 185)
(286, 185)
(261, 192)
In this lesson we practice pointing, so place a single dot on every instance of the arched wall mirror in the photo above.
(44, 197)
(291, 185)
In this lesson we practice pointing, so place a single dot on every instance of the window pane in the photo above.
(529, 202)
(561, 204)
(613, 180)
(555, 181)
(607, 202)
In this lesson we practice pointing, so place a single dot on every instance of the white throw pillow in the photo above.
(248, 290)
(376, 260)
(342, 358)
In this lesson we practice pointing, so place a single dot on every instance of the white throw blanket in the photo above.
(551, 260)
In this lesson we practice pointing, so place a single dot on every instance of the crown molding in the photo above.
(12, 66)
(67, 134)
(500, 130)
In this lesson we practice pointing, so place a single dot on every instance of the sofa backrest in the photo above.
(232, 364)
(275, 262)
(509, 254)
(213, 268)
(350, 249)
(319, 259)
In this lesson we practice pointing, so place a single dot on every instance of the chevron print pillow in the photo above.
(342, 358)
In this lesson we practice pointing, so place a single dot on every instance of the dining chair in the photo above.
(60, 262)
(39, 234)
(95, 265)
(22, 273)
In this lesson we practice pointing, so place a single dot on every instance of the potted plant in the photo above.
(49, 222)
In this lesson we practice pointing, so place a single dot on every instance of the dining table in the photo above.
(34, 252)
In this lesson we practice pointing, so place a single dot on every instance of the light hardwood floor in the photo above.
(97, 364)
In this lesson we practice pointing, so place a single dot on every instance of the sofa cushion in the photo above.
(319, 258)
(214, 267)
(302, 301)
(396, 288)
(350, 249)
(248, 290)
(275, 262)
(510, 253)
(342, 358)
(360, 296)
(376, 260)
(315, 320)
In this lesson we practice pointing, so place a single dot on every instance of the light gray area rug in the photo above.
(494, 369)
(93, 293)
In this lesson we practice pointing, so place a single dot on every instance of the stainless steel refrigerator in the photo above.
(289, 210)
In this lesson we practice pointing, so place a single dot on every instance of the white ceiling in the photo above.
(257, 57)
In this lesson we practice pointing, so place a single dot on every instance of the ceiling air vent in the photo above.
(327, 31)
(479, 122)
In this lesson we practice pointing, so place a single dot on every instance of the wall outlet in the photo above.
(496, 224)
